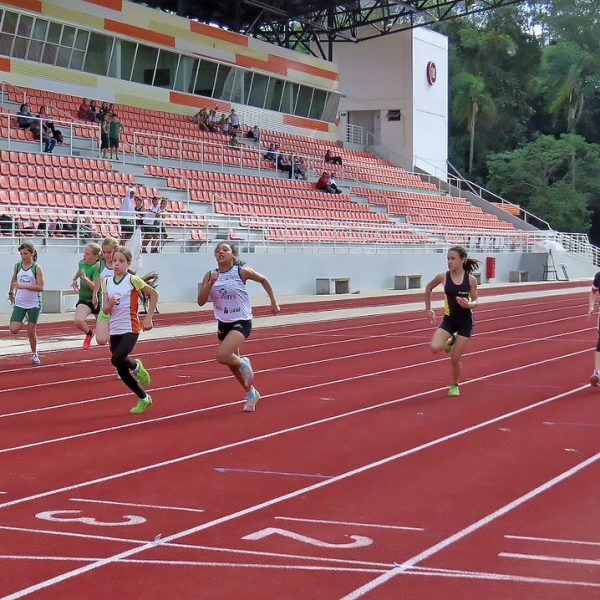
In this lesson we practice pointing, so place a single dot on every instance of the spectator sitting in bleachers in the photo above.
(330, 158)
(83, 112)
(38, 128)
(284, 164)
(49, 123)
(270, 155)
(24, 117)
(233, 141)
(213, 121)
(333, 184)
(254, 133)
(323, 184)
(93, 112)
(223, 125)
(103, 111)
(299, 168)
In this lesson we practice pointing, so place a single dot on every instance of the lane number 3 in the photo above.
(61, 516)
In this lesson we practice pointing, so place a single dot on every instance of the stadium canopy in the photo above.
(314, 26)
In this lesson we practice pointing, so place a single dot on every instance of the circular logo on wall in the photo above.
(431, 72)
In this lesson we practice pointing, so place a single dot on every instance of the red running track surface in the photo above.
(356, 476)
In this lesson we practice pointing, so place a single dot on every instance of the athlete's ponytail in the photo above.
(470, 264)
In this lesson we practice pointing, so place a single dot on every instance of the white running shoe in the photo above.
(246, 371)
(252, 397)
(35, 360)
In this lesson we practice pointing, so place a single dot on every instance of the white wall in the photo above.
(390, 73)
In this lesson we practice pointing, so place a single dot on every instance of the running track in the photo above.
(356, 477)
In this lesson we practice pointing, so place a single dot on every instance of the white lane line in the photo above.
(459, 535)
(137, 504)
(191, 563)
(261, 472)
(273, 395)
(349, 340)
(296, 365)
(551, 540)
(402, 527)
(571, 424)
(273, 501)
(559, 559)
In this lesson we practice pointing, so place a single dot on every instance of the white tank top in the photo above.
(27, 298)
(230, 298)
(106, 272)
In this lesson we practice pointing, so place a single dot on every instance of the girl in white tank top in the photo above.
(226, 287)
(25, 294)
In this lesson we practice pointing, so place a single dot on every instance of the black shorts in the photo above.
(244, 327)
(95, 311)
(462, 326)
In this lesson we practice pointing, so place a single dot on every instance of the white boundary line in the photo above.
(427, 553)
(137, 504)
(559, 559)
(401, 527)
(273, 501)
(551, 540)
(264, 396)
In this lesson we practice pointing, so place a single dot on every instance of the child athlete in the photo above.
(25, 294)
(460, 298)
(226, 287)
(595, 376)
(109, 245)
(85, 282)
(120, 300)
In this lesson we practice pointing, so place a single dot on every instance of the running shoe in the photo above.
(142, 375)
(142, 405)
(450, 343)
(87, 340)
(246, 371)
(252, 397)
(595, 379)
(35, 360)
(453, 391)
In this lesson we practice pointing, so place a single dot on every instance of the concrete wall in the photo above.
(291, 273)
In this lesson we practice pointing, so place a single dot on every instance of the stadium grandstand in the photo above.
(375, 103)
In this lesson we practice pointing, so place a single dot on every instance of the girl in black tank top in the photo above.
(460, 298)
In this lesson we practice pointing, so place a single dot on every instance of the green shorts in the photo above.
(18, 314)
(103, 317)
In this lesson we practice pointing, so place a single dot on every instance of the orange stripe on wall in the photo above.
(112, 4)
(139, 33)
(281, 66)
(198, 101)
(4, 64)
(249, 63)
(306, 123)
(219, 34)
(33, 5)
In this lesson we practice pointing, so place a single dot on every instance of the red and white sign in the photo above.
(431, 72)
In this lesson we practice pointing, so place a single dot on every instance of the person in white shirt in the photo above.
(151, 226)
(234, 121)
(126, 211)
(226, 287)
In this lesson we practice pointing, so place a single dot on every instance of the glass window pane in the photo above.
(9, 25)
(25, 26)
(165, 69)
(35, 50)
(331, 107)
(186, 73)
(145, 62)
(77, 60)
(82, 39)
(237, 83)
(6, 42)
(68, 36)
(303, 103)
(247, 86)
(49, 53)
(54, 33)
(63, 57)
(274, 92)
(224, 82)
(288, 100)
(121, 61)
(20, 47)
(258, 90)
(318, 104)
(206, 78)
(39, 29)
(96, 60)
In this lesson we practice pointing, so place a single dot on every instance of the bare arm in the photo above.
(207, 283)
(472, 301)
(11, 287)
(254, 276)
(592, 301)
(439, 278)
(153, 295)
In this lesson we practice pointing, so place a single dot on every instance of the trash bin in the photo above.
(490, 268)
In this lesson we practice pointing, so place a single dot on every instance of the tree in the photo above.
(556, 179)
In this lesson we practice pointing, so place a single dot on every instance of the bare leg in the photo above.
(81, 314)
(439, 340)
(31, 333)
(102, 335)
(457, 350)
(227, 354)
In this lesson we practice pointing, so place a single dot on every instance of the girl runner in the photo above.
(226, 287)
(85, 283)
(120, 300)
(595, 376)
(460, 298)
(109, 245)
(25, 294)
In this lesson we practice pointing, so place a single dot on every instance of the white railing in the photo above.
(355, 134)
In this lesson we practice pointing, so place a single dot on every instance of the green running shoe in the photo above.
(453, 391)
(141, 406)
(142, 375)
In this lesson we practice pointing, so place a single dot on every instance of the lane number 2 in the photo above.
(61, 517)
(359, 540)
